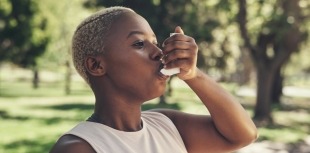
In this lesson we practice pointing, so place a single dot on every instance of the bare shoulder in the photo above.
(72, 144)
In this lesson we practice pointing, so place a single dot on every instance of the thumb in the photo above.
(178, 29)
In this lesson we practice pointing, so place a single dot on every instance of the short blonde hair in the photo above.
(89, 37)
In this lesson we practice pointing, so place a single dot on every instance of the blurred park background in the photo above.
(257, 49)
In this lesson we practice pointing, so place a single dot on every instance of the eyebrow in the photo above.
(137, 33)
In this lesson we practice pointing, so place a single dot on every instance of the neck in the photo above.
(120, 115)
(115, 107)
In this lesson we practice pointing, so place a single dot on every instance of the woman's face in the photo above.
(133, 58)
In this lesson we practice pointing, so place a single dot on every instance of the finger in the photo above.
(176, 45)
(184, 64)
(178, 29)
(177, 54)
(171, 44)
(178, 37)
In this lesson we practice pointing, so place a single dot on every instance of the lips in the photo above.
(162, 76)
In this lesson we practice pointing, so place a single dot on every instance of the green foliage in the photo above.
(279, 23)
(198, 19)
(22, 37)
(299, 65)
(63, 17)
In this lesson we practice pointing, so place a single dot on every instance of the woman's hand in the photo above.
(181, 51)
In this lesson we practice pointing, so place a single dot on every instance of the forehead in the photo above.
(129, 22)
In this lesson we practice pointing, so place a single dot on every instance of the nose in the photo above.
(156, 54)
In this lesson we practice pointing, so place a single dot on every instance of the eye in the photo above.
(139, 44)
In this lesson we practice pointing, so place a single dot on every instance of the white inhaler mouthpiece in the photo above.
(172, 71)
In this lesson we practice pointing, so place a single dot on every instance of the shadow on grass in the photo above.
(4, 115)
(73, 107)
(18, 91)
(288, 108)
(85, 107)
(47, 121)
(39, 145)
(41, 93)
(80, 107)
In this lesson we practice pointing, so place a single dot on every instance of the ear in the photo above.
(95, 66)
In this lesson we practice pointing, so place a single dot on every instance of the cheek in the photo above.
(134, 65)
(134, 72)
(128, 68)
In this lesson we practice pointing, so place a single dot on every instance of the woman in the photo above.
(116, 52)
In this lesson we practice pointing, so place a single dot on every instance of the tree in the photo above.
(63, 17)
(22, 38)
(279, 35)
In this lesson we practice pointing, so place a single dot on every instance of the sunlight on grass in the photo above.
(32, 124)
(292, 117)
(285, 135)
(33, 119)
(15, 89)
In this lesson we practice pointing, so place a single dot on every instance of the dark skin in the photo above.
(127, 75)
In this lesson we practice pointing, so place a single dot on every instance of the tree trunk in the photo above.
(245, 69)
(36, 80)
(284, 38)
(68, 78)
(277, 87)
(265, 77)
(0, 80)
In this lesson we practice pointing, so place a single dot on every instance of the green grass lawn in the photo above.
(33, 119)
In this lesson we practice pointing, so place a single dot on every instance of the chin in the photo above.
(157, 93)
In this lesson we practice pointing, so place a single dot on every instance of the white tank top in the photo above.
(158, 135)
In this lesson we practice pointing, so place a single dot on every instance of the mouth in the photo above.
(162, 76)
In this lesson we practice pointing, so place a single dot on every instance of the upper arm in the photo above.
(199, 133)
(72, 144)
